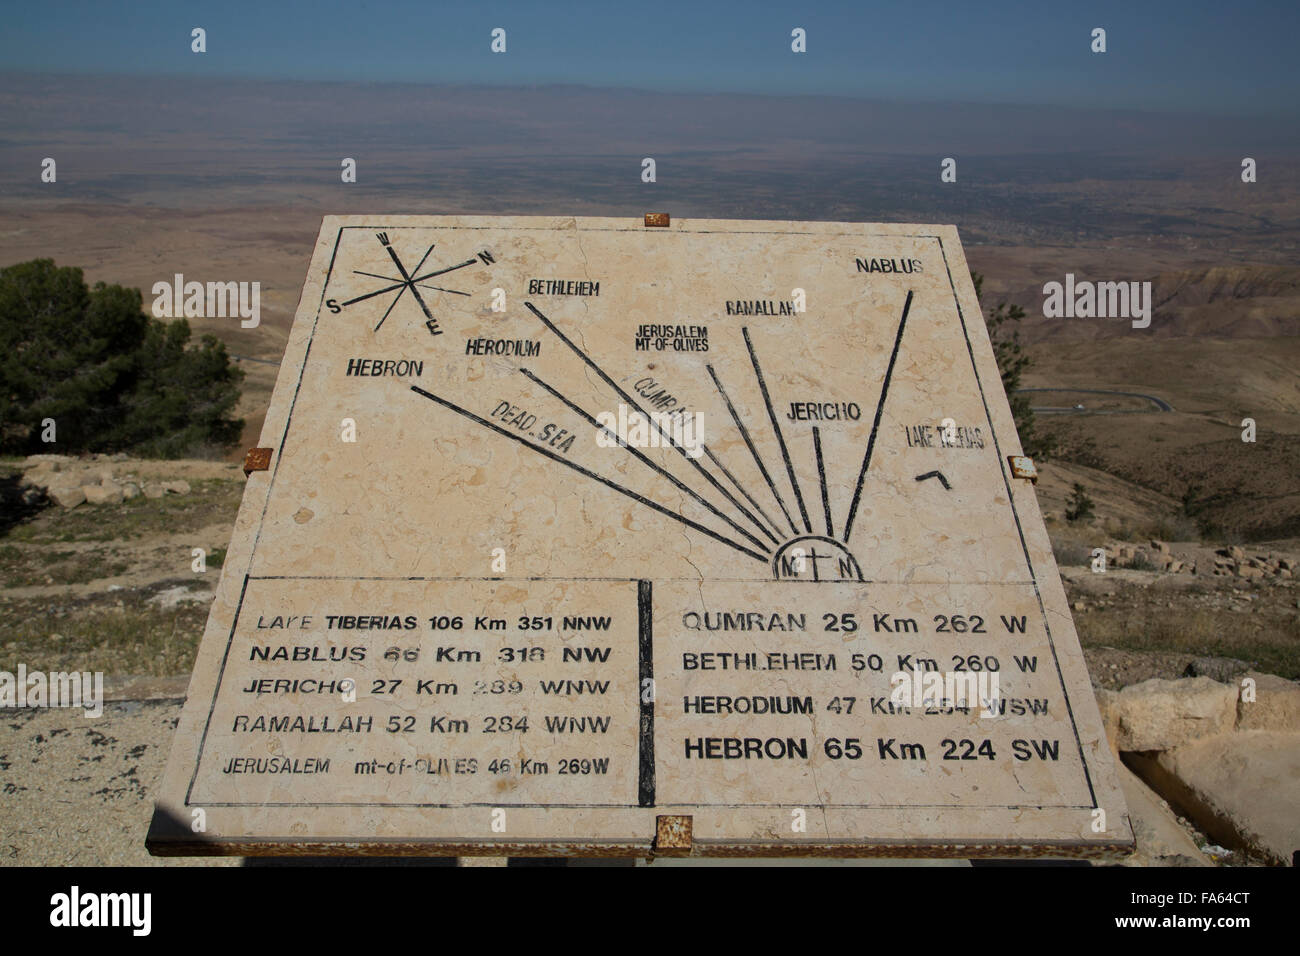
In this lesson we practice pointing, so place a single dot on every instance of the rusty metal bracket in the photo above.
(1023, 467)
(656, 219)
(672, 836)
(257, 459)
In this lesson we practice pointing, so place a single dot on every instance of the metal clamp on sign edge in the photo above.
(1023, 467)
(672, 836)
(256, 459)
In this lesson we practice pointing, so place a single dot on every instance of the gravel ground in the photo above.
(79, 791)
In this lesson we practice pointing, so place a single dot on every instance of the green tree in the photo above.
(183, 397)
(112, 378)
(66, 352)
(1003, 324)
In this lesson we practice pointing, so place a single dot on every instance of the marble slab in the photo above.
(579, 532)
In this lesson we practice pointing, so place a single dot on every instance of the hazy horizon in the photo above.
(1162, 55)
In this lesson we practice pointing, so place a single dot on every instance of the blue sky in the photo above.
(1187, 56)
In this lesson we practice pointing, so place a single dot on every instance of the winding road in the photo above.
(1160, 404)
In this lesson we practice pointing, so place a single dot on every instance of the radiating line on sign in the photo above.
(776, 427)
(640, 456)
(821, 476)
(547, 453)
(708, 476)
(875, 426)
(749, 443)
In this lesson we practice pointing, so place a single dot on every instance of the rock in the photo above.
(67, 496)
(1236, 553)
(1161, 840)
(1108, 705)
(1249, 573)
(176, 487)
(1159, 546)
(43, 478)
(52, 462)
(102, 494)
(130, 490)
(1225, 670)
(171, 597)
(1276, 706)
(153, 489)
(1163, 714)
(1240, 789)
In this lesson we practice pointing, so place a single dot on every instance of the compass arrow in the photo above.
(371, 295)
(430, 275)
(410, 284)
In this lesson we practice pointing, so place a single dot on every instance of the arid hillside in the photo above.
(1223, 348)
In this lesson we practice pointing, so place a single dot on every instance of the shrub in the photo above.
(1079, 507)
(111, 378)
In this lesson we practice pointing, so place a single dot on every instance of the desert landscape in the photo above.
(1200, 529)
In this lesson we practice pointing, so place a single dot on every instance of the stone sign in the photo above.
(603, 537)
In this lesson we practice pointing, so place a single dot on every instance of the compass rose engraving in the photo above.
(411, 280)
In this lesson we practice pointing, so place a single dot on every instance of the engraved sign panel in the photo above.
(571, 525)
